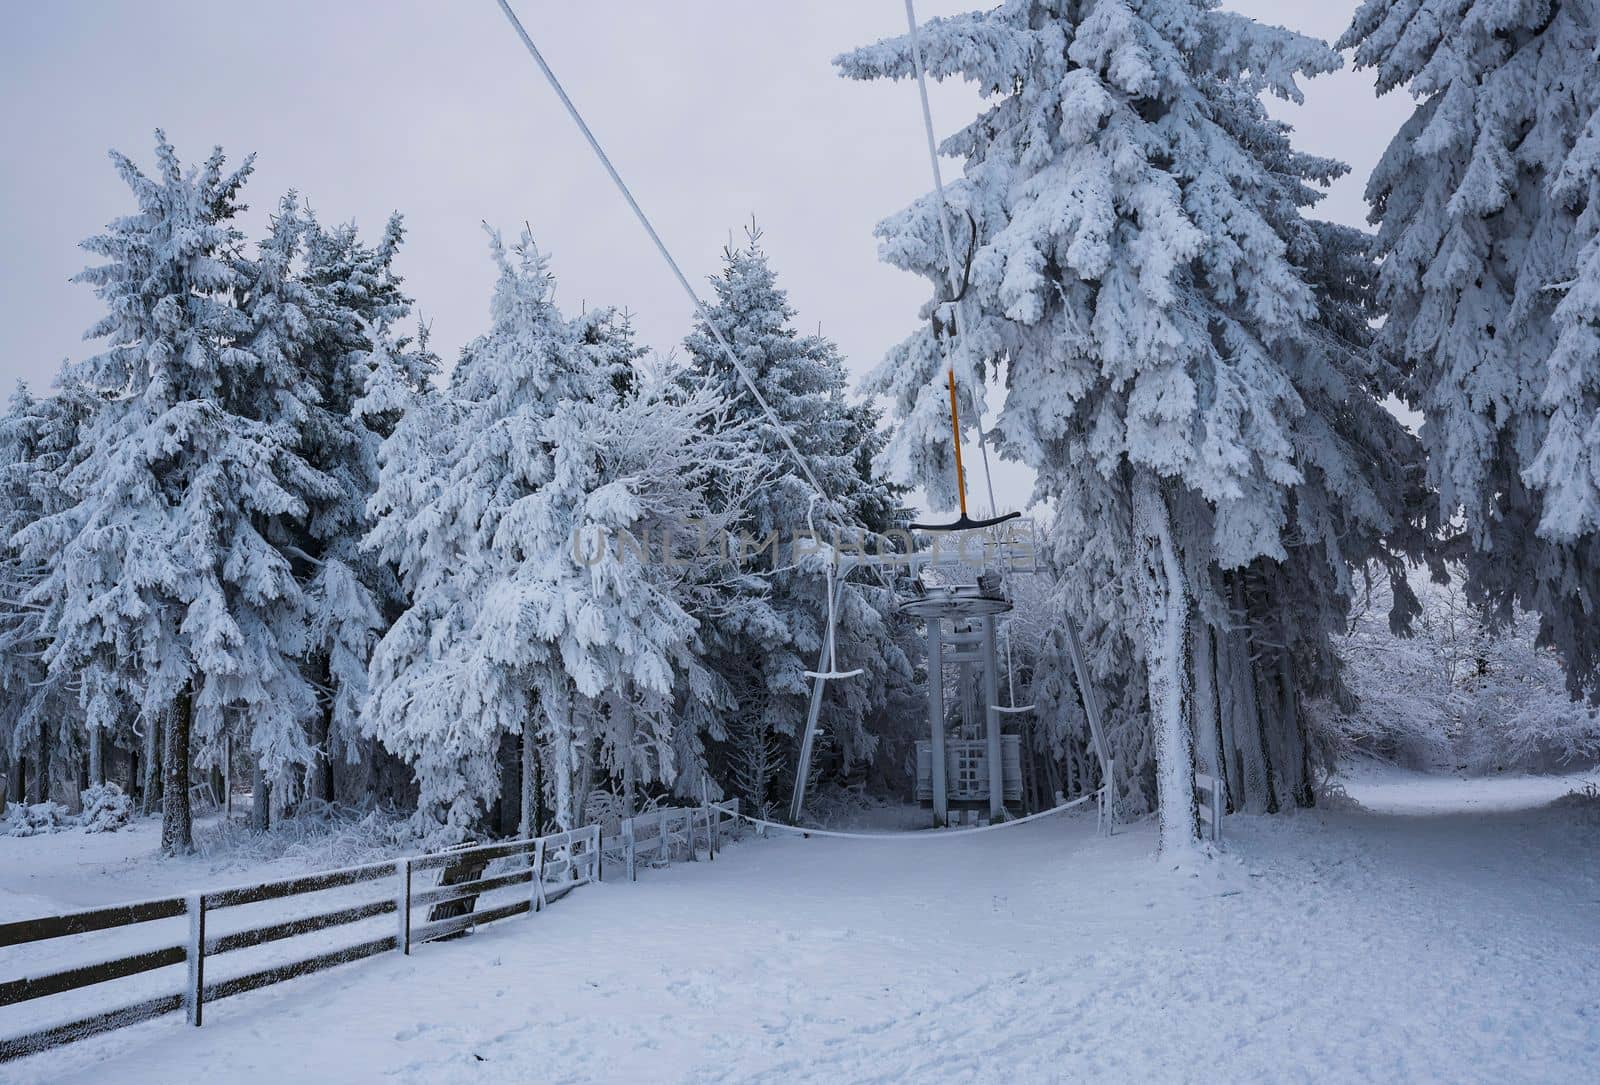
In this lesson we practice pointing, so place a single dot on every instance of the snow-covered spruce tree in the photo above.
(159, 566)
(46, 719)
(1168, 328)
(456, 460)
(1486, 203)
(490, 495)
(350, 594)
(22, 670)
(282, 397)
(765, 640)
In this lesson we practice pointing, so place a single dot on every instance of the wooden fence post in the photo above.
(538, 874)
(599, 857)
(403, 898)
(194, 997)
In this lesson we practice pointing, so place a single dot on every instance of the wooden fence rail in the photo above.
(655, 837)
(550, 866)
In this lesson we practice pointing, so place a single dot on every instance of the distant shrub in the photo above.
(105, 809)
(1461, 690)
(41, 817)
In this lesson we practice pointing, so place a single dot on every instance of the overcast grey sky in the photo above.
(713, 109)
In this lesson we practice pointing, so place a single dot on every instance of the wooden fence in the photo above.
(549, 867)
(657, 837)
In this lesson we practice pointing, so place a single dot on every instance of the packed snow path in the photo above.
(1451, 931)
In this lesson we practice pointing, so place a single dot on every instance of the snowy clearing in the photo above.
(1445, 932)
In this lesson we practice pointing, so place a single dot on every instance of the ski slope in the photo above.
(1449, 930)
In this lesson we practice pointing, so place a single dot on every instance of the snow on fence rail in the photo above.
(549, 866)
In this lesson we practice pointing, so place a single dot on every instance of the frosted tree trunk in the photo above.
(1255, 780)
(152, 766)
(321, 783)
(67, 780)
(40, 785)
(1163, 619)
(260, 799)
(177, 836)
(558, 713)
(630, 775)
(1297, 770)
(1270, 703)
(97, 762)
(1227, 717)
(583, 782)
(1208, 740)
(530, 796)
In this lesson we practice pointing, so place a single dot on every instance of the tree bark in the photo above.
(97, 761)
(260, 799)
(41, 764)
(152, 766)
(1269, 704)
(177, 823)
(1297, 769)
(557, 702)
(630, 775)
(1227, 720)
(1255, 777)
(1208, 740)
(1164, 617)
(321, 784)
(529, 750)
(541, 813)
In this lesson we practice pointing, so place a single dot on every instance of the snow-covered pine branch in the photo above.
(1489, 238)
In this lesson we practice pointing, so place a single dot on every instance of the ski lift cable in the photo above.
(700, 306)
(1079, 662)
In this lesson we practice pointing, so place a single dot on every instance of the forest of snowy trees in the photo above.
(261, 532)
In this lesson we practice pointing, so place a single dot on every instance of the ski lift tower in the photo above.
(981, 767)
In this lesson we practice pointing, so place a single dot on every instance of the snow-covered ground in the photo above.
(1449, 930)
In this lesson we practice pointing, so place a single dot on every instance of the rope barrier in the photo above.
(909, 836)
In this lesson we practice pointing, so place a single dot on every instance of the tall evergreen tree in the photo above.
(352, 595)
(1485, 208)
(43, 715)
(764, 643)
(162, 565)
(1171, 331)
(513, 628)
